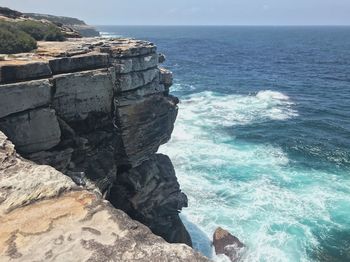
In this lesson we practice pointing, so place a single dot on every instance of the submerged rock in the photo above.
(225, 243)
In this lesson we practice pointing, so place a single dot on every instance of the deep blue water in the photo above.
(262, 141)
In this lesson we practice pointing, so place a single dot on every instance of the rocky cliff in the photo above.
(45, 216)
(95, 110)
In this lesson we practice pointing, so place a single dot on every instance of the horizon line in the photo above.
(228, 25)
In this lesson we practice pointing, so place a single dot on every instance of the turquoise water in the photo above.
(262, 141)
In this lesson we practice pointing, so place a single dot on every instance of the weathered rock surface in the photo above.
(227, 244)
(108, 112)
(17, 71)
(81, 93)
(32, 131)
(134, 80)
(78, 63)
(166, 77)
(19, 97)
(44, 216)
(143, 131)
(141, 63)
(151, 194)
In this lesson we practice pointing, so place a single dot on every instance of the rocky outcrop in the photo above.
(45, 216)
(226, 243)
(98, 113)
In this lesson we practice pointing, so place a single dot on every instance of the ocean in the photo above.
(261, 145)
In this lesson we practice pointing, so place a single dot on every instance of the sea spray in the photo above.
(252, 189)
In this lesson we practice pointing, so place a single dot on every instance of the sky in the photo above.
(193, 12)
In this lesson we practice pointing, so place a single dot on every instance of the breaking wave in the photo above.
(209, 108)
(250, 189)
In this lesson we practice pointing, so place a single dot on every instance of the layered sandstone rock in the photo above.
(151, 194)
(99, 113)
(45, 216)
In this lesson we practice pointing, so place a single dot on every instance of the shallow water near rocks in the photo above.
(261, 145)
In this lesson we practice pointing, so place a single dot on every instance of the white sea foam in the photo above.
(249, 189)
(227, 110)
(108, 34)
(268, 95)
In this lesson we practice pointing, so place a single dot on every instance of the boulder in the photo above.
(225, 243)
(161, 58)
(78, 94)
(166, 77)
(32, 131)
(22, 96)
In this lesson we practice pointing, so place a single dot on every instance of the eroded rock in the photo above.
(16, 71)
(78, 63)
(44, 216)
(134, 80)
(144, 124)
(133, 64)
(166, 77)
(226, 243)
(22, 96)
(79, 94)
(32, 131)
(151, 194)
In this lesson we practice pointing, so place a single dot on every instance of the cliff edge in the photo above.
(45, 216)
(88, 116)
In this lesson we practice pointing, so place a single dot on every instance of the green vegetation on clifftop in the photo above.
(41, 31)
(21, 36)
(13, 40)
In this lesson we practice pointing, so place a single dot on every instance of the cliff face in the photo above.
(96, 110)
